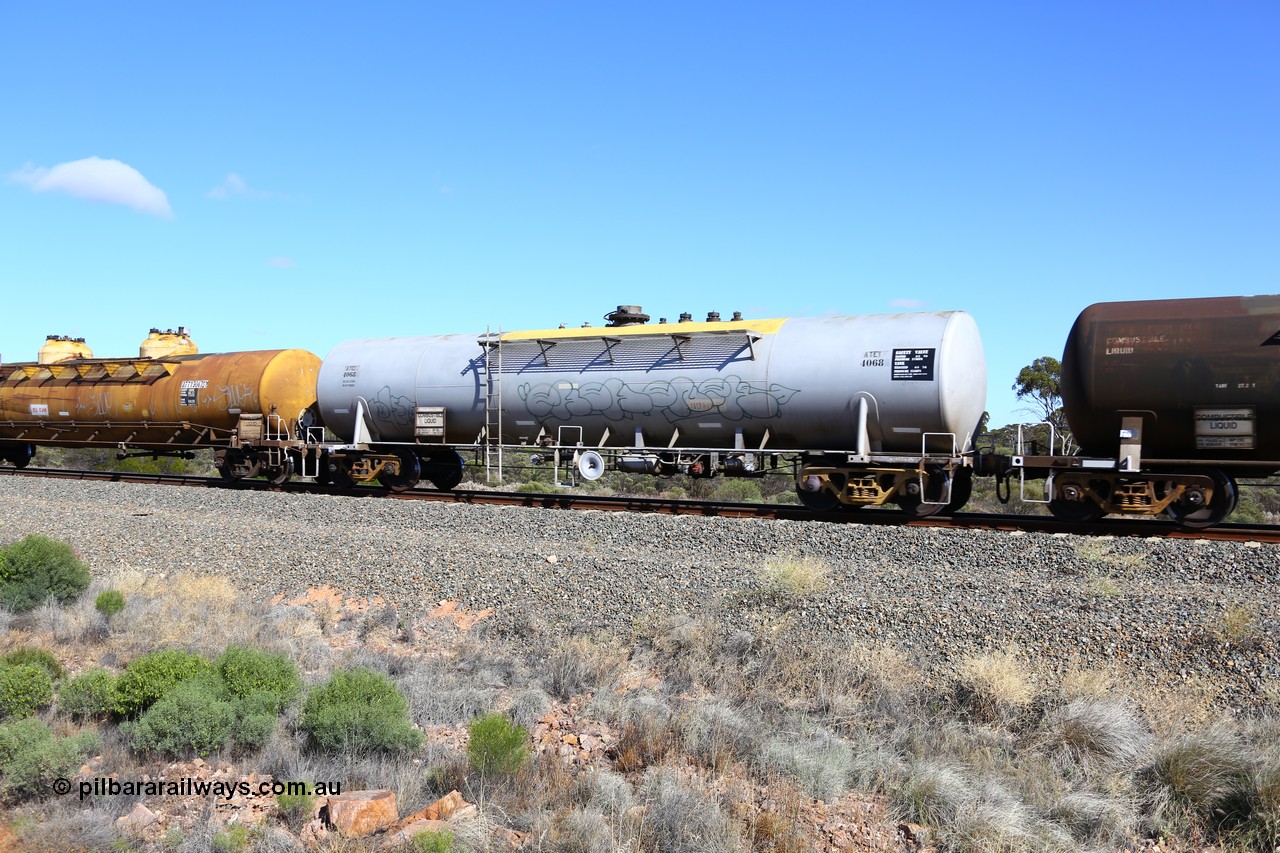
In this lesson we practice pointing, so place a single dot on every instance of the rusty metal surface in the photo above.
(190, 400)
(1203, 373)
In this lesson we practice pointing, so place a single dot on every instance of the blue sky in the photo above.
(289, 174)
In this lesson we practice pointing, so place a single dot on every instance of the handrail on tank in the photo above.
(282, 428)
(924, 455)
(1052, 438)
(1022, 470)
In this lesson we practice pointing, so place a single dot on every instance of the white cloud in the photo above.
(906, 303)
(95, 179)
(280, 263)
(234, 185)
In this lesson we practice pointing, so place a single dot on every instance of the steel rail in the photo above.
(1008, 522)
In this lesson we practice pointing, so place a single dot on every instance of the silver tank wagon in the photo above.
(866, 391)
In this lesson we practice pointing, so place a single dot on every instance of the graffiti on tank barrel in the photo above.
(391, 408)
(243, 396)
(730, 397)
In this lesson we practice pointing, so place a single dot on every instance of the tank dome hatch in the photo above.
(627, 315)
(59, 348)
(167, 344)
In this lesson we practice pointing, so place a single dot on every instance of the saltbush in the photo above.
(23, 688)
(37, 657)
(433, 841)
(37, 567)
(255, 719)
(496, 744)
(358, 710)
(252, 672)
(296, 807)
(109, 602)
(89, 694)
(153, 675)
(31, 758)
(191, 717)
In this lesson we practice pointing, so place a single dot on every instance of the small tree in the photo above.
(1039, 384)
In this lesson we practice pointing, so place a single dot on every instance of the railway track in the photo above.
(672, 506)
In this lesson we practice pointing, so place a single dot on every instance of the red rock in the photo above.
(442, 809)
(405, 834)
(362, 813)
(136, 821)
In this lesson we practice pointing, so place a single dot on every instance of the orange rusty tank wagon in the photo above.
(249, 407)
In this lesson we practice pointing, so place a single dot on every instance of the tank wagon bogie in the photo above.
(1169, 401)
(872, 409)
(170, 400)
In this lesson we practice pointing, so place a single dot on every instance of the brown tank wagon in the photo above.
(1169, 401)
(250, 407)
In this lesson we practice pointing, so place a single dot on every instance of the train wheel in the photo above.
(961, 490)
(822, 501)
(280, 476)
(232, 465)
(1081, 511)
(410, 470)
(444, 470)
(1199, 515)
(935, 486)
(21, 455)
(1075, 512)
(338, 474)
(818, 498)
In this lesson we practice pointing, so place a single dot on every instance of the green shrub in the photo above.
(358, 711)
(296, 807)
(89, 694)
(37, 657)
(23, 689)
(38, 567)
(109, 602)
(233, 839)
(31, 758)
(740, 491)
(429, 841)
(497, 745)
(255, 721)
(190, 717)
(252, 672)
(152, 676)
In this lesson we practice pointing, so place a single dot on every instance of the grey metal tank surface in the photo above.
(781, 383)
(1204, 374)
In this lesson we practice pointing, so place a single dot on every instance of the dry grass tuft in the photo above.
(1196, 776)
(647, 736)
(1239, 626)
(203, 613)
(1088, 682)
(583, 664)
(794, 576)
(995, 685)
(1095, 735)
(932, 794)
(678, 818)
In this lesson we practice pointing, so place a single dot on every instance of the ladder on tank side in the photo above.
(491, 387)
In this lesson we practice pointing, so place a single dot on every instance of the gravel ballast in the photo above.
(1157, 609)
